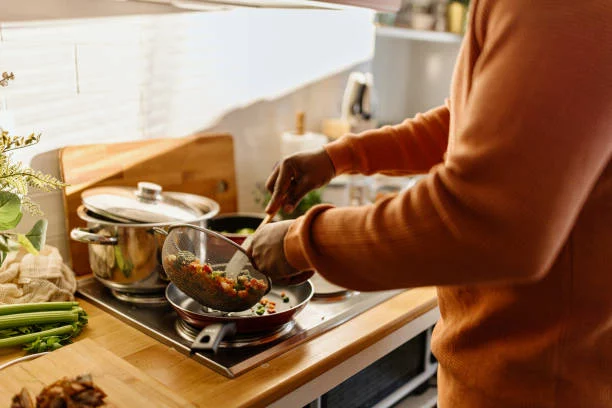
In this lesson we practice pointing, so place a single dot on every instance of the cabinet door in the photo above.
(380, 5)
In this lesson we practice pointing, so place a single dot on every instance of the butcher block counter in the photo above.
(291, 379)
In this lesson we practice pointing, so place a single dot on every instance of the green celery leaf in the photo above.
(38, 234)
(26, 244)
(10, 210)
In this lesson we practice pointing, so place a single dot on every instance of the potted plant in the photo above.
(314, 197)
(15, 182)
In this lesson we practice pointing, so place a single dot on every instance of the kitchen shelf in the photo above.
(419, 35)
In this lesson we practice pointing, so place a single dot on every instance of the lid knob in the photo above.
(149, 191)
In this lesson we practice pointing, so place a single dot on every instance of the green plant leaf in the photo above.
(38, 234)
(26, 244)
(10, 210)
(4, 244)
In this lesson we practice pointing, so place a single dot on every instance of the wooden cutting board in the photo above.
(201, 164)
(125, 385)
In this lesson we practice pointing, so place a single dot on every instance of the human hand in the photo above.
(267, 254)
(295, 176)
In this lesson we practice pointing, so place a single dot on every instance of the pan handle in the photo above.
(210, 337)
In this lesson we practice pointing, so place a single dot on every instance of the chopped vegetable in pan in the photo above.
(266, 305)
(200, 281)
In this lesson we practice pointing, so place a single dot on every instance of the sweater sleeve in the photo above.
(411, 147)
(532, 140)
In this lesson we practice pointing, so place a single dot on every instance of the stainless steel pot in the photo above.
(124, 251)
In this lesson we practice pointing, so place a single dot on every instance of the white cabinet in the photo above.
(33, 10)
(380, 5)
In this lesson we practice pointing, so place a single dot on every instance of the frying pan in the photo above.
(216, 325)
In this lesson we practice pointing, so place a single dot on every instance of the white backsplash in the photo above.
(411, 76)
(245, 72)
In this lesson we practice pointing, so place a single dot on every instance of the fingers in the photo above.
(281, 187)
(271, 181)
(295, 195)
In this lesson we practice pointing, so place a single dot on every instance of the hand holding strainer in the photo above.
(198, 261)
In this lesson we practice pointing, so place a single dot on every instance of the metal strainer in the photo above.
(196, 259)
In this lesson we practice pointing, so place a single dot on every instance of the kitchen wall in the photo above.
(117, 79)
(412, 76)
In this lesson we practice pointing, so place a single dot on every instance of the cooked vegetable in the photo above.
(213, 288)
(40, 326)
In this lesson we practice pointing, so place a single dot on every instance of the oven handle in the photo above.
(210, 337)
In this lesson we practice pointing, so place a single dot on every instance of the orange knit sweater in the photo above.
(513, 222)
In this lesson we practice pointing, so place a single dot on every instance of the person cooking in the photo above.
(513, 222)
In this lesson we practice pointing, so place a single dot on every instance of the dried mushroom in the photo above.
(65, 393)
(22, 400)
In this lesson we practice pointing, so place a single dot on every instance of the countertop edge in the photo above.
(264, 384)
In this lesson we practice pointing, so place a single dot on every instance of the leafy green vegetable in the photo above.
(38, 234)
(10, 210)
(41, 326)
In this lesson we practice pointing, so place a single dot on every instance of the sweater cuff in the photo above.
(341, 154)
(300, 232)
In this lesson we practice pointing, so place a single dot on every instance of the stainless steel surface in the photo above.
(189, 333)
(88, 236)
(145, 204)
(159, 323)
(147, 299)
(126, 257)
(206, 231)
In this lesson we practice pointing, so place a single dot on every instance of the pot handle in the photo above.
(210, 337)
(86, 236)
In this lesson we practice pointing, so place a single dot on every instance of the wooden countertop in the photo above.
(266, 383)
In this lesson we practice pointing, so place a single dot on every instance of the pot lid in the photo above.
(146, 204)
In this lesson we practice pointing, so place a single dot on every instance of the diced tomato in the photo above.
(271, 310)
(257, 284)
(226, 286)
(206, 268)
(243, 294)
(263, 301)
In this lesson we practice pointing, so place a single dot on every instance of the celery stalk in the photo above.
(28, 338)
(34, 318)
(36, 307)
